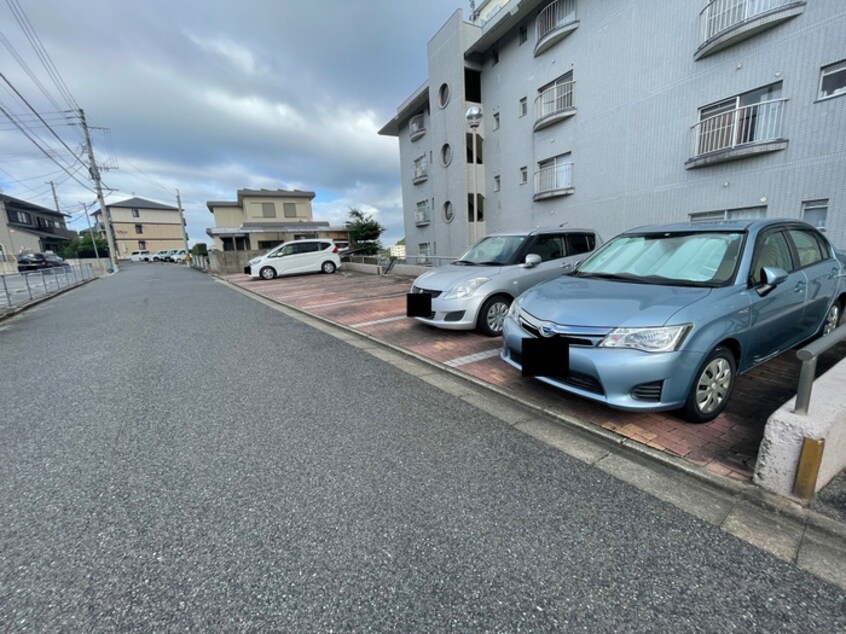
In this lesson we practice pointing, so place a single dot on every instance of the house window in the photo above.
(833, 80)
(417, 124)
(524, 33)
(142, 245)
(135, 213)
(741, 213)
(494, 57)
(420, 171)
(268, 210)
(554, 174)
(471, 204)
(423, 252)
(290, 210)
(815, 213)
(496, 121)
(139, 228)
(524, 175)
(448, 211)
(421, 215)
(20, 217)
(496, 183)
(555, 97)
(446, 154)
(443, 95)
(524, 107)
(751, 117)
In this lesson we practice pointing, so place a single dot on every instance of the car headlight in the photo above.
(466, 289)
(514, 309)
(659, 339)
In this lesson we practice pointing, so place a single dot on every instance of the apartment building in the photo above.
(144, 225)
(26, 227)
(616, 113)
(262, 218)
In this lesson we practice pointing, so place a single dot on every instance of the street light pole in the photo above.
(474, 118)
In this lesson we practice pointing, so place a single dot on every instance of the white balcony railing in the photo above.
(417, 124)
(554, 178)
(757, 123)
(721, 15)
(421, 171)
(556, 15)
(421, 217)
(554, 100)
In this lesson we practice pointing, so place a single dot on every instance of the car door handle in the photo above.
(800, 286)
(834, 274)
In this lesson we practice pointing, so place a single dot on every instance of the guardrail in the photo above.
(808, 356)
(20, 288)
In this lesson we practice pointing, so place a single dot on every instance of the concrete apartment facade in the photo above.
(617, 113)
(26, 227)
(260, 219)
(144, 225)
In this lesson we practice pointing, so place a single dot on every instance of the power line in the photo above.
(22, 63)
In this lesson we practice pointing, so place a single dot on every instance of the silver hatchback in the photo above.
(476, 290)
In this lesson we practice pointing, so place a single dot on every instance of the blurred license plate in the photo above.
(418, 304)
(546, 357)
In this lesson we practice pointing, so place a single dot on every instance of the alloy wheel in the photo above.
(496, 315)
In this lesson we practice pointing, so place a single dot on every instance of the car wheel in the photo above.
(267, 273)
(832, 319)
(712, 388)
(492, 315)
(328, 267)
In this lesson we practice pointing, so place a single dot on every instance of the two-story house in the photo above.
(262, 218)
(616, 113)
(26, 227)
(144, 225)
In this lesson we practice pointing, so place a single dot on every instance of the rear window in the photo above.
(580, 243)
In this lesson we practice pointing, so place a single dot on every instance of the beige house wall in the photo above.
(253, 209)
(155, 216)
(229, 217)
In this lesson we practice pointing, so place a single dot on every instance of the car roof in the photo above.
(722, 225)
(539, 231)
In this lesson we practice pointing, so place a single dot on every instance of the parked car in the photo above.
(37, 261)
(296, 256)
(476, 290)
(667, 317)
(180, 255)
(140, 256)
(159, 256)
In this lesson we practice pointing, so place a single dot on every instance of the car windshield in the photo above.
(689, 259)
(492, 250)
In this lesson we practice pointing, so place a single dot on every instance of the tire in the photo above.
(712, 388)
(832, 319)
(327, 267)
(267, 273)
(492, 315)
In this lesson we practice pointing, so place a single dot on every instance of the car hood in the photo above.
(445, 277)
(575, 301)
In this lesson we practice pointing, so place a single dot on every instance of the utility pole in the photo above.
(184, 234)
(95, 176)
(55, 197)
(93, 240)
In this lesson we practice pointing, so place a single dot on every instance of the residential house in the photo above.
(618, 113)
(144, 225)
(26, 227)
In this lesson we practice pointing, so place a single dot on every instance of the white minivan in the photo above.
(318, 255)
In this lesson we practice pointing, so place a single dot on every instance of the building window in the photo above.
(524, 33)
(524, 107)
(423, 251)
(524, 175)
(421, 215)
(443, 95)
(448, 211)
(815, 213)
(417, 124)
(555, 97)
(833, 80)
(139, 228)
(496, 121)
(290, 210)
(471, 215)
(494, 57)
(496, 183)
(268, 210)
(420, 170)
(142, 245)
(135, 213)
(554, 175)
(446, 154)
(741, 213)
(21, 217)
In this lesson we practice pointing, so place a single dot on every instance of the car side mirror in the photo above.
(772, 277)
(532, 260)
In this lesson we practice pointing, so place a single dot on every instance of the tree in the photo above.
(81, 247)
(201, 248)
(364, 231)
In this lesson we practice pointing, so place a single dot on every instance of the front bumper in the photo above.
(453, 314)
(619, 377)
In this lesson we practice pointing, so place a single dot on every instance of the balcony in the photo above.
(553, 181)
(421, 218)
(555, 23)
(554, 104)
(738, 133)
(420, 173)
(726, 22)
(417, 124)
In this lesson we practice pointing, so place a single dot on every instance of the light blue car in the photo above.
(666, 317)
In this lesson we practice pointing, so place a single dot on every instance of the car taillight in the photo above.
(335, 250)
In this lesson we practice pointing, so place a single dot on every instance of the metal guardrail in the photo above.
(19, 288)
(808, 356)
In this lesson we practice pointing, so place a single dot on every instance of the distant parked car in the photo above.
(666, 317)
(180, 255)
(296, 256)
(159, 256)
(476, 290)
(37, 261)
(140, 256)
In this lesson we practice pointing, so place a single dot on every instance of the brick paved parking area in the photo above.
(375, 305)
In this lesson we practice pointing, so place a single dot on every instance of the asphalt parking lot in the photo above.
(375, 305)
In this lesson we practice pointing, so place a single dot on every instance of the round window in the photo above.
(448, 212)
(446, 154)
(443, 95)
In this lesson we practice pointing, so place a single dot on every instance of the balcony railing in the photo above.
(555, 180)
(420, 172)
(418, 126)
(421, 217)
(554, 103)
(746, 126)
(721, 15)
(556, 21)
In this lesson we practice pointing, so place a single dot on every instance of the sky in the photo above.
(214, 96)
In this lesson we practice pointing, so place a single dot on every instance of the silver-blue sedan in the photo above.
(666, 317)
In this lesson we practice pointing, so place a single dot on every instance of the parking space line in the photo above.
(472, 358)
(375, 322)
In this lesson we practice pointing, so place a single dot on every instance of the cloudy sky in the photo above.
(215, 96)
